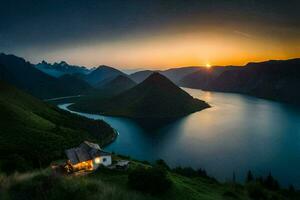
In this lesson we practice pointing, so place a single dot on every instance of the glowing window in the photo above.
(97, 160)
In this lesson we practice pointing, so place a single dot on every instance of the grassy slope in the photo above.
(34, 133)
(109, 184)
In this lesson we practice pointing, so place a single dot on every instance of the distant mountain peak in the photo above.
(157, 79)
(101, 67)
(156, 76)
(102, 75)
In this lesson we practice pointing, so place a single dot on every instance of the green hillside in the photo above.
(33, 133)
(115, 185)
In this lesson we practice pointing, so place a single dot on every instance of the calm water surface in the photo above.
(237, 134)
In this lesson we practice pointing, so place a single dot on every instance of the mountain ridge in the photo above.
(102, 74)
(58, 69)
(174, 74)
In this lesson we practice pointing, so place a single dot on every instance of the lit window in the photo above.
(97, 160)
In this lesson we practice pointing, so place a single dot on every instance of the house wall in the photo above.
(104, 160)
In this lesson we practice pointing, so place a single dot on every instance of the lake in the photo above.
(236, 134)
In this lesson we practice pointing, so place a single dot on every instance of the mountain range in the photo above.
(271, 79)
(72, 81)
(96, 76)
(25, 76)
(61, 68)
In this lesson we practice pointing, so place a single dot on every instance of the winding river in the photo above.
(237, 134)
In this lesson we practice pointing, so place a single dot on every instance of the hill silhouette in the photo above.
(102, 75)
(156, 97)
(117, 85)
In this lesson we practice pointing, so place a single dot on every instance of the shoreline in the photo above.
(113, 137)
(153, 118)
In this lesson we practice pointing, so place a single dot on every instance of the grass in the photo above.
(40, 185)
(113, 184)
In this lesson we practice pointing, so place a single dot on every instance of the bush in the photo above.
(256, 191)
(150, 180)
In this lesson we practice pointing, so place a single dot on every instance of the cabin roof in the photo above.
(91, 145)
(86, 151)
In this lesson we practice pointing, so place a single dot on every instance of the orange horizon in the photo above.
(174, 49)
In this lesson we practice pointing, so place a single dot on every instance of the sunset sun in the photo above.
(208, 65)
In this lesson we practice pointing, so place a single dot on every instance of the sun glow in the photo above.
(182, 49)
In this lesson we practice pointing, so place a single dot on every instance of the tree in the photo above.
(270, 183)
(250, 177)
(233, 178)
(202, 173)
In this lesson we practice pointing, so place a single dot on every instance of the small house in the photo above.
(87, 156)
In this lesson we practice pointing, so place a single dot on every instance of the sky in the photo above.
(152, 34)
